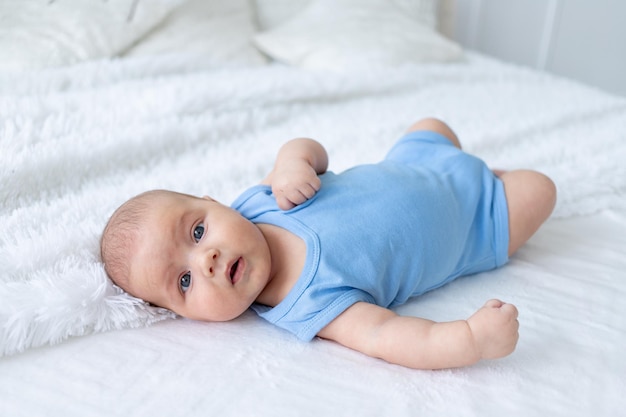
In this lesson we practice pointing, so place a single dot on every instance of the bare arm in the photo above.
(423, 344)
(294, 178)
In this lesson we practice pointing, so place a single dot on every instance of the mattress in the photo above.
(568, 283)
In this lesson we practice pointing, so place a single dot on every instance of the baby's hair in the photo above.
(120, 235)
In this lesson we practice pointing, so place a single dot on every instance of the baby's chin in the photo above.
(219, 319)
(211, 317)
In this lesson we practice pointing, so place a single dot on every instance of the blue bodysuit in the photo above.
(382, 233)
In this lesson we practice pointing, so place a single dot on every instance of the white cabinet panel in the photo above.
(590, 43)
(512, 30)
(580, 39)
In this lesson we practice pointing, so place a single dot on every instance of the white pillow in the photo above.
(36, 34)
(271, 13)
(336, 35)
(219, 30)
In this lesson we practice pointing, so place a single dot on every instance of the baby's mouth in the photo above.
(233, 270)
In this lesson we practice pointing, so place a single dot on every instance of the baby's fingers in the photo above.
(284, 203)
(510, 309)
(494, 303)
(315, 183)
(506, 308)
(288, 199)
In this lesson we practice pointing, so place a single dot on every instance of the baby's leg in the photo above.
(531, 197)
(436, 125)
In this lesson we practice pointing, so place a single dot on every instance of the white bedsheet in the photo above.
(568, 283)
(76, 142)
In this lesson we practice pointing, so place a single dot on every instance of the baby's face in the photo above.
(200, 259)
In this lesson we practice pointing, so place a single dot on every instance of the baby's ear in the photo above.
(206, 197)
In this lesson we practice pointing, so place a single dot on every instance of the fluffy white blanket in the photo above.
(76, 142)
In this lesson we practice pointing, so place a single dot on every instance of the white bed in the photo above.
(78, 139)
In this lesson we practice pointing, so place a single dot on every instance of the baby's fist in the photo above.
(495, 329)
(294, 183)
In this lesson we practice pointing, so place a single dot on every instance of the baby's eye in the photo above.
(185, 282)
(198, 232)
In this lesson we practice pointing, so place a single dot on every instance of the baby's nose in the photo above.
(207, 261)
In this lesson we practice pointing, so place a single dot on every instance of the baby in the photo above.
(324, 254)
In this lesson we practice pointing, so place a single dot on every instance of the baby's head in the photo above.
(120, 237)
(194, 256)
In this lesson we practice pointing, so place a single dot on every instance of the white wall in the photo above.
(580, 39)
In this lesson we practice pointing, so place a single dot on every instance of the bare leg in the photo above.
(531, 197)
(436, 125)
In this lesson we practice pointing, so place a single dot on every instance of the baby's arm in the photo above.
(294, 176)
(490, 333)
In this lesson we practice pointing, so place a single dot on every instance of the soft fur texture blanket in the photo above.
(76, 142)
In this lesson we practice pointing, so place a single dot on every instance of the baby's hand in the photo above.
(495, 329)
(294, 183)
